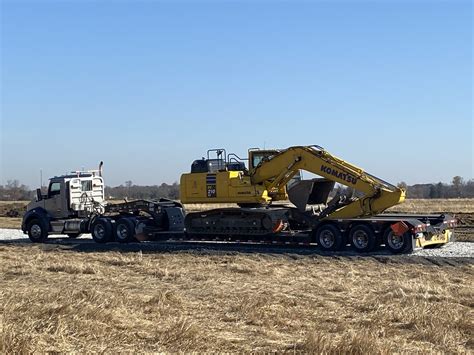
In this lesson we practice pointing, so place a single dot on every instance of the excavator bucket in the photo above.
(310, 192)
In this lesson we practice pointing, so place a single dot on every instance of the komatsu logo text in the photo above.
(340, 175)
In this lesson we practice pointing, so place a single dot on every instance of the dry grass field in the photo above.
(454, 206)
(55, 300)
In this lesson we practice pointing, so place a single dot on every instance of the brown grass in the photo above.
(68, 301)
(455, 205)
(8, 222)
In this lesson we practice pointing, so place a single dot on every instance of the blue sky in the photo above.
(149, 86)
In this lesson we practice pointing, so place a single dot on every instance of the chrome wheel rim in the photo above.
(35, 231)
(327, 239)
(395, 241)
(360, 239)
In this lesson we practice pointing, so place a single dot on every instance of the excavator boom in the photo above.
(378, 194)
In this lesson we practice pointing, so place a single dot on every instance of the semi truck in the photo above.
(75, 204)
(275, 205)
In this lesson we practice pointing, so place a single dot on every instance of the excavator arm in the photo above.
(379, 195)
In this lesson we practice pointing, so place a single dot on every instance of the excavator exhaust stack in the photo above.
(310, 192)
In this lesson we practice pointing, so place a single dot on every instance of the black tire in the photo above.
(101, 230)
(124, 230)
(329, 237)
(74, 235)
(37, 231)
(398, 244)
(362, 238)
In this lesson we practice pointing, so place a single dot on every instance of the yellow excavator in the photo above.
(263, 186)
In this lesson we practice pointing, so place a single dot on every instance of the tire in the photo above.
(101, 230)
(37, 231)
(362, 238)
(398, 244)
(74, 235)
(329, 237)
(124, 230)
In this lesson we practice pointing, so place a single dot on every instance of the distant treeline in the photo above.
(440, 190)
(131, 191)
(458, 188)
(14, 191)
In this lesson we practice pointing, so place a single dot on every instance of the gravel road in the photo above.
(452, 250)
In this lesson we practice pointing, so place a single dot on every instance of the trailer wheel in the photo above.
(124, 230)
(397, 244)
(101, 230)
(74, 235)
(329, 237)
(362, 238)
(37, 231)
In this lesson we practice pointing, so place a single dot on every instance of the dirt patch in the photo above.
(465, 231)
(12, 209)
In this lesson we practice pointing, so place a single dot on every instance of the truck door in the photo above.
(53, 203)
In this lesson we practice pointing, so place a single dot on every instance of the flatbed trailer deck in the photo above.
(421, 231)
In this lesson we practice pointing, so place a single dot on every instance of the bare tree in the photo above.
(402, 185)
(458, 182)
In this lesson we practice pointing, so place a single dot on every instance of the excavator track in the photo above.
(237, 222)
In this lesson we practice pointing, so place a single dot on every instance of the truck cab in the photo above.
(70, 200)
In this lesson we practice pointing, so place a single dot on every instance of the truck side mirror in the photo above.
(39, 196)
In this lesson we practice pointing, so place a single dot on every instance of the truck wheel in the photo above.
(329, 237)
(362, 238)
(37, 231)
(124, 230)
(397, 243)
(101, 230)
(74, 235)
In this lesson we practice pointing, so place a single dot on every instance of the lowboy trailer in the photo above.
(75, 204)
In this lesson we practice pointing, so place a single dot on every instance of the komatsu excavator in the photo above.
(273, 177)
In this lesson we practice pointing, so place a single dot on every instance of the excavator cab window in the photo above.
(256, 156)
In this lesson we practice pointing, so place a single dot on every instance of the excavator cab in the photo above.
(222, 177)
(256, 156)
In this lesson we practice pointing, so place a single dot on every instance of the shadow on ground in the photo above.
(228, 248)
